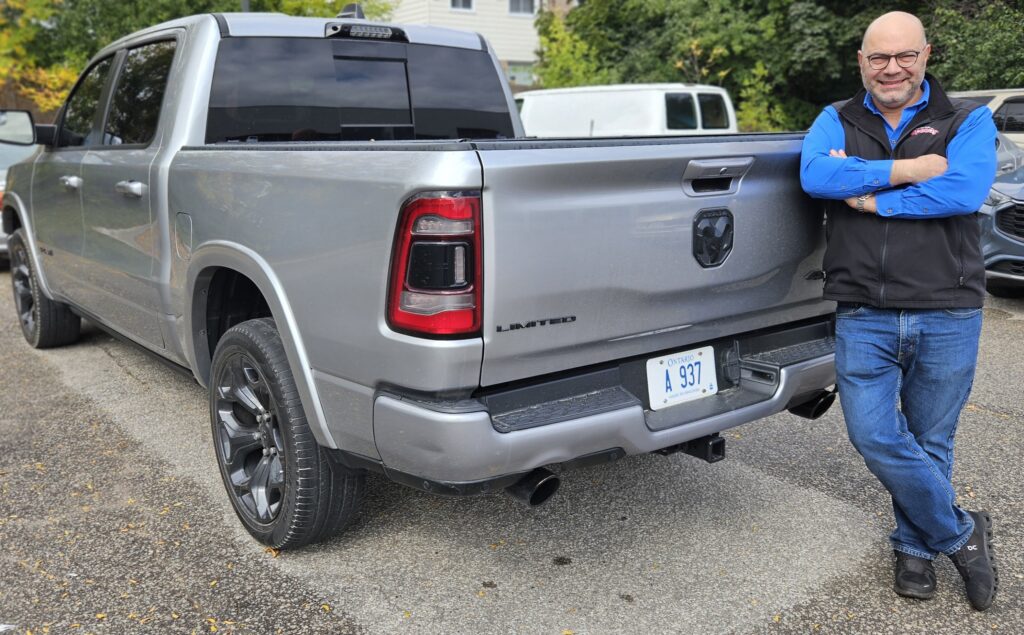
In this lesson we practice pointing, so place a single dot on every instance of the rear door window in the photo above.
(1010, 116)
(292, 89)
(713, 114)
(680, 113)
(139, 94)
(83, 106)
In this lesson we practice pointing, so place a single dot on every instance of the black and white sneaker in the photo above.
(976, 563)
(915, 577)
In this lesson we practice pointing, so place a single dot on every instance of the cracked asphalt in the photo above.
(113, 520)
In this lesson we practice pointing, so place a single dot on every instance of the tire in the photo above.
(281, 483)
(1005, 290)
(45, 323)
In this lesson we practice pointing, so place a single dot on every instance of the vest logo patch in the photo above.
(924, 130)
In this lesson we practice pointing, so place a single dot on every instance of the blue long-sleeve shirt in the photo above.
(960, 190)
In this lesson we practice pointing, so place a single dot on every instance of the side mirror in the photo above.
(16, 127)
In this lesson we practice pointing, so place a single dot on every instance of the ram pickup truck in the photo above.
(338, 227)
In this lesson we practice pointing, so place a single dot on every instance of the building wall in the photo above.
(513, 36)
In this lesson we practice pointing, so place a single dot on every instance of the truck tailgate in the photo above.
(591, 247)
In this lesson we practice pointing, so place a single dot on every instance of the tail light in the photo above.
(436, 271)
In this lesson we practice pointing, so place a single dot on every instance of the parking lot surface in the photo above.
(113, 519)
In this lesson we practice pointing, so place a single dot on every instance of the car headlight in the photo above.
(995, 198)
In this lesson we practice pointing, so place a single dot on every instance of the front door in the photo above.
(122, 232)
(57, 183)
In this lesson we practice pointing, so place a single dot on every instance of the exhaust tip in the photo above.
(816, 406)
(535, 488)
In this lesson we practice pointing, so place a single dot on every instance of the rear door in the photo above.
(598, 251)
(122, 234)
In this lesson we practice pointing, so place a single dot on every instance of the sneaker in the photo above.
(976, 563)
(915, 577)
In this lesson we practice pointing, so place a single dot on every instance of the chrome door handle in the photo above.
(131, 189)
(71, 182)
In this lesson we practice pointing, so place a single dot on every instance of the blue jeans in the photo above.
(903, 377)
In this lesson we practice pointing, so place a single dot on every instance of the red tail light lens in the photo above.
(436, 268)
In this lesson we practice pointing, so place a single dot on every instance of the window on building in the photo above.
(462, 5)
(524, 7)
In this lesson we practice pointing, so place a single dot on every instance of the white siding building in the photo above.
(507, 25)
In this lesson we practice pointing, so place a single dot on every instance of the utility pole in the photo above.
(245, 6)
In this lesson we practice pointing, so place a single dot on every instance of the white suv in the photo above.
(1007, 106)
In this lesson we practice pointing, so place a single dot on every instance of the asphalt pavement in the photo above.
(113, 519)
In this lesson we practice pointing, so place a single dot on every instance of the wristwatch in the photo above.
(861, 200)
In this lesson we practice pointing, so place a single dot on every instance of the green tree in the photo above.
(978, 46)
(565, 59)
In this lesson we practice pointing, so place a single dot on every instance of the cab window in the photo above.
(139, 94)
(83, 106)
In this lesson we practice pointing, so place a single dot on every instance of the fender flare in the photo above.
(13, 201)
(213, 255)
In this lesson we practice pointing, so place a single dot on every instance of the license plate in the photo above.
(681, 377)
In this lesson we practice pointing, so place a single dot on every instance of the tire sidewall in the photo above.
(254, 342)
(16, 243)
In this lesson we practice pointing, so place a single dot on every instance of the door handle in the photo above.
(131, 189)
(717, 168)
(71, 182)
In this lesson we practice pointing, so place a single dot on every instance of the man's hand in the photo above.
(917, 170)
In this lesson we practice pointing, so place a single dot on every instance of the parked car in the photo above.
(627, 110)
(1009, 155)
(1007, 106)
(9, 155)
(1002, 233)
(337, 227)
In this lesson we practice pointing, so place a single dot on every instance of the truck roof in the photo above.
(281, 25)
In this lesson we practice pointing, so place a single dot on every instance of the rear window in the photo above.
(1010, 116)
(293, 89)
(713, 114)
(680, 113)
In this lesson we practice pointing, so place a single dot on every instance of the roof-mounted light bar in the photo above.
(365, 32)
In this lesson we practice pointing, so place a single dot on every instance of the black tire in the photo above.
(45, 323)
(1001, 290)
(282, 484)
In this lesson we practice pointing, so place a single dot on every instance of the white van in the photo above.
(627, 110)
(1007, 106)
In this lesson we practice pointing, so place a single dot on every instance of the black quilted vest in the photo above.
(903, 263)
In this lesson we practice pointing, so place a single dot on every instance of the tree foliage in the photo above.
(45, 44)
(781, 60)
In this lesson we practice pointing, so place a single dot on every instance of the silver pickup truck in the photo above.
(339, 228)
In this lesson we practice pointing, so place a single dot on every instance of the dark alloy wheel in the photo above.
(248, 438)
(282, 484)
(44, 322)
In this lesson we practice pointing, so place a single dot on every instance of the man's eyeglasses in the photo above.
(906, 59)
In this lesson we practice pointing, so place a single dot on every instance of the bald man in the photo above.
(903, 168)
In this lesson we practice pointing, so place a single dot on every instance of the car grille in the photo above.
(1012, 267)
(1011, 221)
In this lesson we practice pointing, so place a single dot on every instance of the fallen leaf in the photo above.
(213, 583)
(777, 618)
(481, 594)
(273, 552)
(326, 608)
(407, 614)
(101, 616)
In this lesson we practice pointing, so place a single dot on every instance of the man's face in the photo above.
(893, 87)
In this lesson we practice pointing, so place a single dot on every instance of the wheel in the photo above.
(282, 484)
(1002, 290)
(44, 322)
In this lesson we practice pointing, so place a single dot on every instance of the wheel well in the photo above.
(232, 298)
(11, 220)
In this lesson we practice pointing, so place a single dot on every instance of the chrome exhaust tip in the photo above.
(535, 488)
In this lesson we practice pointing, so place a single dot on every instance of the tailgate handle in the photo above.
(712, 176)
